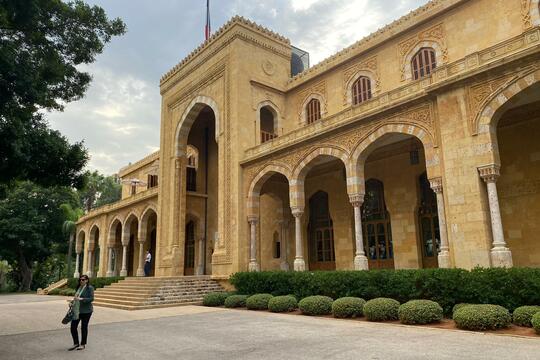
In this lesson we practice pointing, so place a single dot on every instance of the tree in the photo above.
(41, 44)
(99, 190)
(31, 226)
(69, 227)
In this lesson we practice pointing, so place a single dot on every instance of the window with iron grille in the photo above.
(152, 181)
(191, 179)
(423, 63)
(313, 111)
(361, 90)
(133, 189)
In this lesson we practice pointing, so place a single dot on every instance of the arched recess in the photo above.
(303, 110)
(79, 244)
(79, 250)
(296, 192)
(257, 183)
(194, 246)
(94, 237)
(485, 121)
(112, 240)
(188, 118)
(130, 240)
(93, 250)
(375, 88)
(272, 110)
(373, 140)
(440, 51)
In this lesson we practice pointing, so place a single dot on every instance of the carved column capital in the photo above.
(436, 184)
(297, 211)
(489, 173)
(253, 219)
(357, 199)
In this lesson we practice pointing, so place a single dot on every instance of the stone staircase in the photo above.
(136, 293)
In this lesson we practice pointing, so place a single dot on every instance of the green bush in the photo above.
(284, 303)
(522, 315)
(54, 292)
(420, 312)
(316, 305)
(67, 292)
(482, 317)
(381, 309)
(235, 301)
(348, 307)
(258, 301)
(215, 298)
(97, 282)
(458, 306)
(535, 321)
(508, 287)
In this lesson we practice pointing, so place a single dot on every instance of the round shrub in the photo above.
(535, 321)
(258, 301)
(215, 298)
(522, 315)
(235, 301)
(459, 306)
(482, 317)
(316, 305)
(420, 312)
(348, 307)
(381, 309)
(282, 303)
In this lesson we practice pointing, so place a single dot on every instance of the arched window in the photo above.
(267, 124)
(376, 227)
(361, 90)
(423, 63)
(191, 170)
(313, 111)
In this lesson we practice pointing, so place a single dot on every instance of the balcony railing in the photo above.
(267, 136)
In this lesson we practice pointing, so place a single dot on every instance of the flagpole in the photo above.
(207, 27)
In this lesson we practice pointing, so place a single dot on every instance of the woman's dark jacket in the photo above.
(86, 303)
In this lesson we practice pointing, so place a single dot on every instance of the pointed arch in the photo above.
(304, 109)
(259, 180)
(126, 227)
(440, 56)
(188, 118)
(111, 241)
(79, 242)
(95, 234)
(359, 74)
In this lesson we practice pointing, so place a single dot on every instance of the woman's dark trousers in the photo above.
(85, 319)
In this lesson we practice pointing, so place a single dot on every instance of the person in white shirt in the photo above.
(147, 263)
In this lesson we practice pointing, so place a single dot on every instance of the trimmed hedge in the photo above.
(522, 315)
(535, 321)
(96, 282)
(258, 301)
(284, 303)
(482, 317)
(316, 305)
(215, 298)
(508, 287)
(235, 301)
(420, 312)
(348, 307)
(381, 309)
(458, 306)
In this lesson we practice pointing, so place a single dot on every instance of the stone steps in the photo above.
(147, 293)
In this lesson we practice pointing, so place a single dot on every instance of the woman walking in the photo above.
(82, 311)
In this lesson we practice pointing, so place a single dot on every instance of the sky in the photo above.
(118, 119)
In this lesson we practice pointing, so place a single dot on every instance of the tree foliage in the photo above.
(41, 44)
(31, 226)
(99, 190)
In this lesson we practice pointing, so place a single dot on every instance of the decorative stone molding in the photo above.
(433, 37)
(489, 173)
(192, 151)
(317, 91)
(367, 68)
(357, 199)
(530, 15)
(253, 219)
(297, 211)
(436, 184)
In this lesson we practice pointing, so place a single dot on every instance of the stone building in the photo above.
(417, 146)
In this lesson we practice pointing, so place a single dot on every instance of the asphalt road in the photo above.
(203, 333)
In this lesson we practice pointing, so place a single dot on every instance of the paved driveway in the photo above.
(192, 332)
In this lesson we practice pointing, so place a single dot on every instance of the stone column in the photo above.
(501, 256)
(202, 253)
(299, 263)
(76, 274)
(89, 271)
(443, 257)
(360, 259)
(253, 265)
(109, 262)
(140, 269)
(123, 272)
(284, 265)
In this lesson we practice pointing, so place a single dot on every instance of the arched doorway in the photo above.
(428, 220)
(377, 230)
(93, 255)
(321, 234)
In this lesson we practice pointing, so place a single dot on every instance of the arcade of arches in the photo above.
(416, 147)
